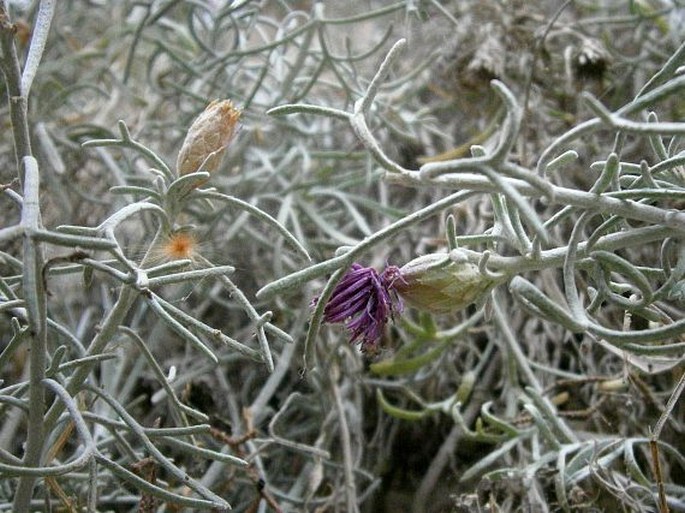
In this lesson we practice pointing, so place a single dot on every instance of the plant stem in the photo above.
(16, 99)
(32, 280)
(36, 314)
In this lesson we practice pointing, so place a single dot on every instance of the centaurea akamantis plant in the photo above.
(314, 178)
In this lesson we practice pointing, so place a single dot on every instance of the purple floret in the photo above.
(364, 300)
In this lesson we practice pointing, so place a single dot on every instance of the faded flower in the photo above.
(364, 300)
(207, 138)
(591, 60)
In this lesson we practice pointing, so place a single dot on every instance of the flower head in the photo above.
(438, 283)
(364, 300)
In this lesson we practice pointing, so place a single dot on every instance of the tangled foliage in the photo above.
(159, 347)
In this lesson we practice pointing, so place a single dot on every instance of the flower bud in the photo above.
(207, 137)
(439, 284)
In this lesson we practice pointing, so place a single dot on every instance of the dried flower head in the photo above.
(364, 300)
(591, 60)
(207, 138)
(439, 284)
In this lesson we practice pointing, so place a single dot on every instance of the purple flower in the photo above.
(363, 300)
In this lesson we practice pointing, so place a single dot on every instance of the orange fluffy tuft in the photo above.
(179, 246)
